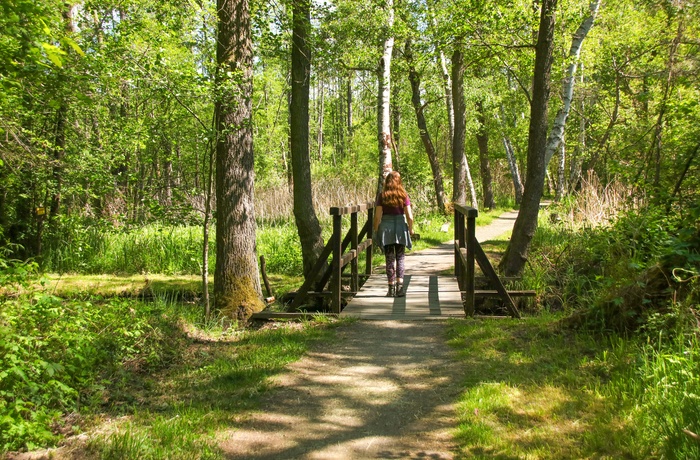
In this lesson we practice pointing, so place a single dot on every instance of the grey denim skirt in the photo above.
(393, 229)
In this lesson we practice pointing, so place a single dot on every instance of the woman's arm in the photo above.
(409, 218)
(377, 218)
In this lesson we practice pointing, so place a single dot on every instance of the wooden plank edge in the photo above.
(288, 315)
(489, 293)
(342, 210)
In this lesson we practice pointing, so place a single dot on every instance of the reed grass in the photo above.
(595, 203)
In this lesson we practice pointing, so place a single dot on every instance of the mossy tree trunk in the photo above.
(237, 280)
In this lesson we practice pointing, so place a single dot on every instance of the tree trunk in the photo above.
(447, 85)
(308, 227)
(395, 122)
(482, 139)
(384, 103)
(655, 150)
(460, 167)
(208, 195)
(514, 171)
(557, 134)
(525, 225)
(682, 176)
(167, 179)
(414, 78)
(349, 106)
(321, 113)
(237, 279)
(575, 161)
(59, 147)
(561, 173)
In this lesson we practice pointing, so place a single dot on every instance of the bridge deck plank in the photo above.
(427, 297)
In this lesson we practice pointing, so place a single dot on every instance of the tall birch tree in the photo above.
(384, 99)
(556, 135)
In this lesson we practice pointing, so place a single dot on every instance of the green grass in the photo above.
(658, 386)
(177, 414)
(177, 250)
(530, 392)
(154, 378)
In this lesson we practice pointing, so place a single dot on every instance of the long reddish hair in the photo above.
(393, 194)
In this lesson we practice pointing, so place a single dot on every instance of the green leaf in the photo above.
(70, 42)
(54, 53)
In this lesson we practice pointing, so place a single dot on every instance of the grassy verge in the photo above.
(147, 379)
(176, 414)
(537, 390)
(531, 392)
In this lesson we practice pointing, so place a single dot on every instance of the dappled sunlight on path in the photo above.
(386, 390)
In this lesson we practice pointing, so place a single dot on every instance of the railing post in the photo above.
(336, 281)
(370, 235)
(354, 283)
(471, 244)
(459, 243)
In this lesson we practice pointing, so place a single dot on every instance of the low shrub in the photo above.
(59, 355)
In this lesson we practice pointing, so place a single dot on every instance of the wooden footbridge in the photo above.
(430, 293)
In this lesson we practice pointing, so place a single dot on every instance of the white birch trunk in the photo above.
(447, 84)
(575, 161)
(514, 172)
(557, 133)
(561, 173)
(321, 112)
(384, 100)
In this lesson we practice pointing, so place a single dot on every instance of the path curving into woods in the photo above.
(383, 389)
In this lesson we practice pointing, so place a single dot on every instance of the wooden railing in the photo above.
(468, 250)
(343, 251)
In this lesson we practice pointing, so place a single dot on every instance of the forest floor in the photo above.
(383, 389)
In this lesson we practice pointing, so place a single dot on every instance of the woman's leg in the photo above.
(390, 254)
(400, 261)
(400, 268)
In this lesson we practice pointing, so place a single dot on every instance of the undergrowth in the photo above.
(69, 363)
(59, 356)
(633, 281)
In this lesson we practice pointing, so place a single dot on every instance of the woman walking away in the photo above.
(393, 227)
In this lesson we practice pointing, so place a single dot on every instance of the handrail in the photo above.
(467, 250)
(336, 249)
(465, 237)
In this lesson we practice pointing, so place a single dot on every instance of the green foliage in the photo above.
(526, 392)
(281, 248)
(57, 355)
(159, 249)
(620, 276)
(147, 249)
(656, 388)
(171, 437)
(636, 276)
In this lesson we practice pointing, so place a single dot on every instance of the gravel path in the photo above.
(382, 389)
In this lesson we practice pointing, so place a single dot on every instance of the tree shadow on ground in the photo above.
(529, 393)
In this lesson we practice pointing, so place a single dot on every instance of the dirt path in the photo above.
(383, 389)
